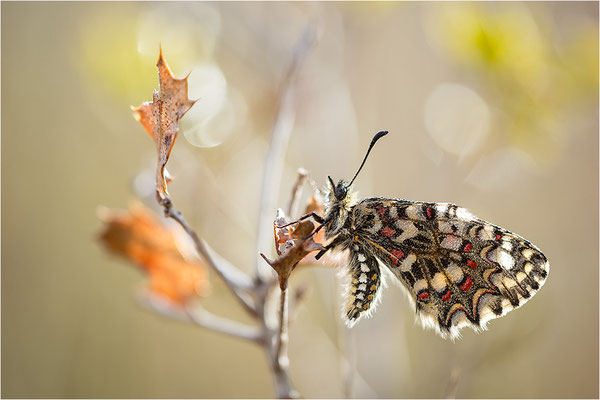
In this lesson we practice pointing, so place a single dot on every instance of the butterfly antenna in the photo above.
(331, 181)
(378, 136)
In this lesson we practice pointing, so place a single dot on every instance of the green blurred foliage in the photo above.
(512, 52)
(118, 51)
(110, 58)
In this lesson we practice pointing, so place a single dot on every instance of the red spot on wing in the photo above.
(397, 256)
(471, 264)
(468, 247)
(428, 212)
(423, 295)
(467, 285)
(498, 237)
(387, 231)
(381, 210)
(447, 295)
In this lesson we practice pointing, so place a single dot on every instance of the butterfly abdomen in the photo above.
(365, 281)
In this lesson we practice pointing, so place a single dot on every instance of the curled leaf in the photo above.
(292, 243)
(160, 118)
(138, 236)
(315, 205)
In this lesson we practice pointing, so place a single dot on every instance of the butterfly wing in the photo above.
(458, 269)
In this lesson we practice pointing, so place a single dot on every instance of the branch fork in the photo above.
(160, 119)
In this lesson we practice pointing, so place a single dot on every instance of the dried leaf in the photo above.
(138, 236)
(292, 244)
(161, 117)
(316, 205)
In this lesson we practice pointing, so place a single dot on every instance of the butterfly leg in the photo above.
(338, 241)
(313, 215)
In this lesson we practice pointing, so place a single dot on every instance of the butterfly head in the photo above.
(340, 199)
(340, 191)
(338, 205)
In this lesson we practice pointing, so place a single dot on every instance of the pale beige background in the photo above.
(70, 324)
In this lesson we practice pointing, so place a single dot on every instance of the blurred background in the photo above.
(490, 106)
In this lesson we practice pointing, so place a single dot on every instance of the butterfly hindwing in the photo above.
(458, 269)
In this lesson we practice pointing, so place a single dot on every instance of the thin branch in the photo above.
(271, 179)
(453, 382)
(279, 358)
(211, 321)
(200, 317)
(297, 192)
(348, 361)
(230, 274)
(234, 275)
(273, 166)
(282, 333)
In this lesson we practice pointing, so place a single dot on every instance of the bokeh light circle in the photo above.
(457, 118)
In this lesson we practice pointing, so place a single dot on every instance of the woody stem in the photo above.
(234, 278)
(280, 359)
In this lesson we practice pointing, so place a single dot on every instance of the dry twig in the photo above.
(254, 294)
(232, 276)
(200, 317)
(270, 186)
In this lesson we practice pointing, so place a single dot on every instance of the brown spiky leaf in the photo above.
(160, 118)
(140, 237)
(292, 244)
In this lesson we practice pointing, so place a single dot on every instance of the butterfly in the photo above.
(458, 270)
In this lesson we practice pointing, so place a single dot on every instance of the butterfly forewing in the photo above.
(458, 269)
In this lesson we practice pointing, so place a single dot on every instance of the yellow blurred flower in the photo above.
(118, 51)
(506, 39)
(529, 77)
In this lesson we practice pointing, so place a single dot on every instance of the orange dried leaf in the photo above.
(292, 245)
(161, 117)
(138, 236)
(316, 205)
